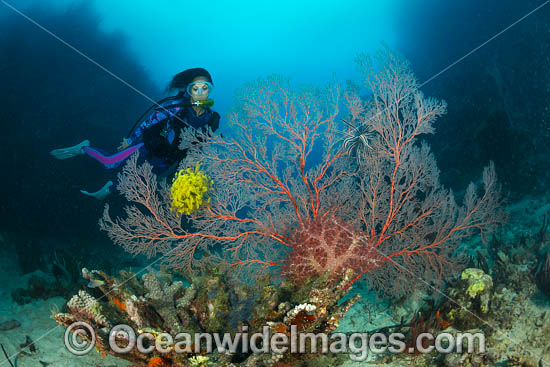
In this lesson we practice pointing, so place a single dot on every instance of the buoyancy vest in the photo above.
(162, 139)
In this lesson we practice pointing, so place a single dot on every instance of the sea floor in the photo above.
(36, 322)
(517, 328)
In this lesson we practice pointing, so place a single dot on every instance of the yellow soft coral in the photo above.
(189, 189)
(199, 361)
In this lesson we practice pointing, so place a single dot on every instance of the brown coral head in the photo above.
(303, 319)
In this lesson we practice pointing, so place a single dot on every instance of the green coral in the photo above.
(199, 361)
(478, 282)
(472, 295)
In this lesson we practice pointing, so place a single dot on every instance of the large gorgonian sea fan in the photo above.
(282, 173)
(274, 168)
(408, 216)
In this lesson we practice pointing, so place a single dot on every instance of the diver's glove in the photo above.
(101, 193)
(64, 153)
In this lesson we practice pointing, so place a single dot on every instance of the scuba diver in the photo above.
(157, 137)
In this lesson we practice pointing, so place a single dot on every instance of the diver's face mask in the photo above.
(199, 90)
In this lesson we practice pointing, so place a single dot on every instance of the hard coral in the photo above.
(156, 303)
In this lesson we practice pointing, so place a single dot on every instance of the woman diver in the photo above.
(158, 136)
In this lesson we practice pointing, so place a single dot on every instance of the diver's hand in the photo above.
(123, 145)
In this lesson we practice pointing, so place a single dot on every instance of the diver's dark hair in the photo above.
(181, 80)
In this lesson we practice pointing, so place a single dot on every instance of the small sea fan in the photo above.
(189, 189)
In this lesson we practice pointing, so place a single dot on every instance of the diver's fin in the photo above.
(101, 193)
(64, 153)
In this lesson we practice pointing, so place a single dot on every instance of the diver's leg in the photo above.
(64, 153)
(111, 161)
(101, 193)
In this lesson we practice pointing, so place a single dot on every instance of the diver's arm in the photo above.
(154, 118)
(166, 107)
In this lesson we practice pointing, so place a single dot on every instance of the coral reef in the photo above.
(88, 309)
(516, 325)
(161, 296)
(471, 299)
(501, 302)
(212, 303)
(199, 361)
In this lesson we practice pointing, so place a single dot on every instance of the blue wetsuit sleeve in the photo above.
(153, 119)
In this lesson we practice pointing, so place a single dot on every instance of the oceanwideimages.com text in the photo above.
(81, 338)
